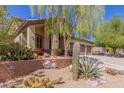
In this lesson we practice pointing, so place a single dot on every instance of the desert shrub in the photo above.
(89, 68)
(15, 51)
(43, 82)
(4, 49)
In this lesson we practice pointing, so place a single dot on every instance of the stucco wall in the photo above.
(22, 38)
(31, 37)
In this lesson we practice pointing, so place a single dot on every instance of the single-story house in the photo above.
(30, 33)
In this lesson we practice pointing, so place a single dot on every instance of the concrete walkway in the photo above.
(111, 61)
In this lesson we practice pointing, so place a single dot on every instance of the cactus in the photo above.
(37, 82)
(75, 60)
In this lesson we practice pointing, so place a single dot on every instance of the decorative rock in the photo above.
(92, 82)
(112, 71)
(48, 64)
(2, 85)
(101, 80)
(70, 68)
(46, 55)
(97, 81)
(121, 73)
(53, 65)
(12, 67)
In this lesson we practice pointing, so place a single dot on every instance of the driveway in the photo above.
(113, 61)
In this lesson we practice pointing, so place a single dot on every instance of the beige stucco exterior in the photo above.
(28, 37)
(33, 36)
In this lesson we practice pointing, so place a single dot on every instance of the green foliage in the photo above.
(14, 52)
(3, 10)
(5, 37)
(88, 17)
(6, 29)
(89, 69)
(111, 34)
(37, 82)
(60, 21)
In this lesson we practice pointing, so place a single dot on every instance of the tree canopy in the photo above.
(6, 32)
(111, 34)
(68, 21)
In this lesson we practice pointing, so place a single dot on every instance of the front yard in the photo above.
(67, 82)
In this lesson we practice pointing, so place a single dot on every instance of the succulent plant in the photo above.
(37, 82)
(89, 69)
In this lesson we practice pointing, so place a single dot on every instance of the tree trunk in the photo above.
(75, 60)
(65, 48)
(114, 51)
(66, 52)
(55, 45)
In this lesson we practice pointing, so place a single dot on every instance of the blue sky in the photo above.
(24, 12)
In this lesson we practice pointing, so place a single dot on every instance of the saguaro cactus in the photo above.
(75, 60)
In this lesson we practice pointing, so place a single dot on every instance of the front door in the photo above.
(39, 41)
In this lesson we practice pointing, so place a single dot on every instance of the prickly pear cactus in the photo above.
(43, 82)
(75, 60)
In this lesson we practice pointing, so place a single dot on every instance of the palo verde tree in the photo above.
(67, 20)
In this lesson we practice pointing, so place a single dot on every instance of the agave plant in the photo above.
(89, 69)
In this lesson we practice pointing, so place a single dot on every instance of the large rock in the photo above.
(48, 64)
(113, 71)
(46, 55)
(70, 68)
(96, 81)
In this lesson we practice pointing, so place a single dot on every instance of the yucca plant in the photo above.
(89, 69)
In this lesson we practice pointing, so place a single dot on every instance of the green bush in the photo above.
(4, 49)
(14, 52)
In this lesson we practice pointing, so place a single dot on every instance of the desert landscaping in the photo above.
(112, 77)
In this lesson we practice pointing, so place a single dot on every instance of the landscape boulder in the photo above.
(49, 64)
